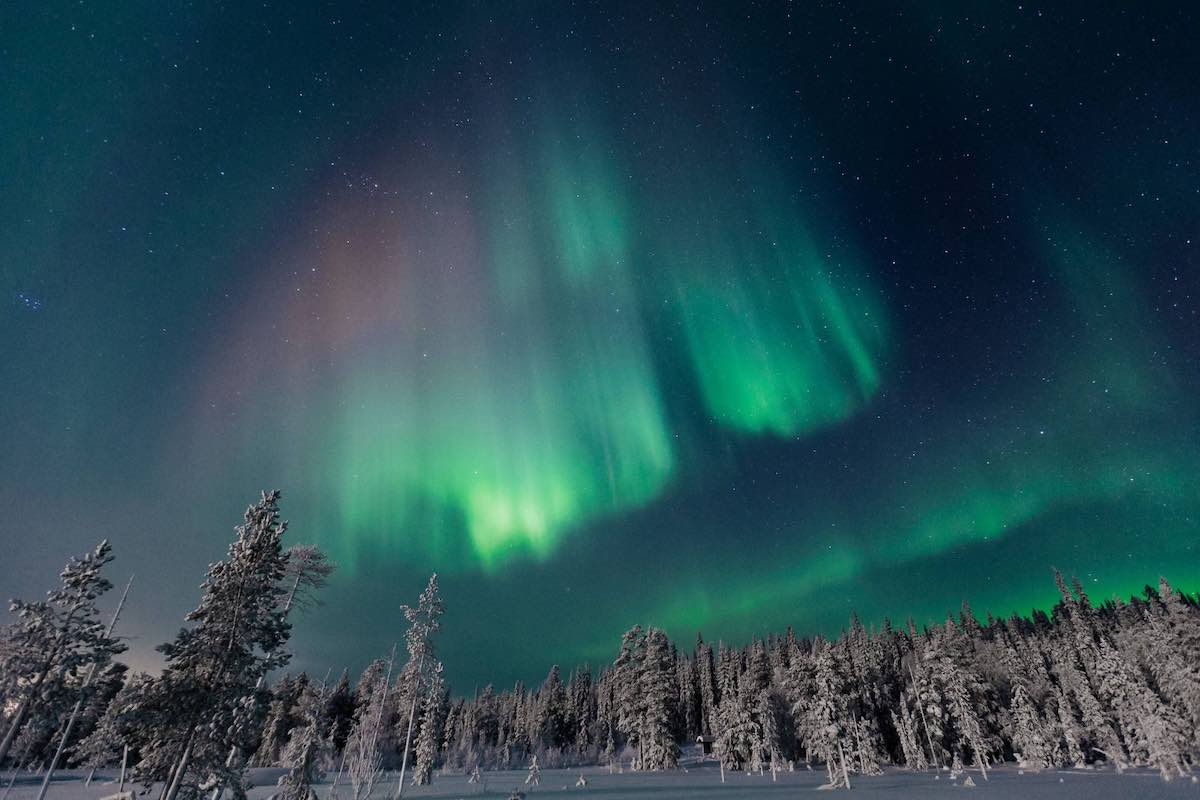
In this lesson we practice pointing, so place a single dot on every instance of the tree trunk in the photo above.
(180, 769)
(124, 762)
(979, 761)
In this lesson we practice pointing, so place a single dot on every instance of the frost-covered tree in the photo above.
(424, 621)
(551, 720)
(1154, 731)
(51, 644)
(965, 694)
(706, 687)
(206, 700)
(430, 732)
(821, 715)
(1029, 741)
(363, 758)
(340, 711)
(280, 719)
(768, 721)
(659, 749)
(122, 717)
(309, 744)
(629, 690)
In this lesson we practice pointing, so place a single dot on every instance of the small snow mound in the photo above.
(968, 783)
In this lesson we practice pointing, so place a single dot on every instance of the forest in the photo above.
(1115, 683)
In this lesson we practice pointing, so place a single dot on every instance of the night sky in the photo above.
(717, 317)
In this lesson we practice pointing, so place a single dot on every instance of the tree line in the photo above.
(1116, 683)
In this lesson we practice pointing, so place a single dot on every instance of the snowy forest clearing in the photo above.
(703, 781)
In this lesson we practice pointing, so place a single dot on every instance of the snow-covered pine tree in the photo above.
(628, 686)
(54, 639)
(1154, 730)
(550, 714)
(1069, 731)
(364, 761)
(658, 747)
(309, 745)
(913, 752)
(706, 686)
(202, 706)
(1098, 724)
(426, 754)
(1170, 639)
(768, 719)
(104, 746)
(736, 731)
(280, 719)
(823, 722)
(424, 621)
(1029, 740)
(583, 711)
(306, 569)
(964, 693)
(340, 710)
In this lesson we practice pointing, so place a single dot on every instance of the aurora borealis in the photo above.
(718, 319)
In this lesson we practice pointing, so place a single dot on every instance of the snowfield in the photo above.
(704, 782)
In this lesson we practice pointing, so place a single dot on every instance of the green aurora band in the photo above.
(497, 383)
(986, 482)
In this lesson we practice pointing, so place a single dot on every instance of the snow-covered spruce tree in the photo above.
(1099, 735)
(658, 747)
(913, 752)
(52, 642)
(706, 686)
(364, 761)
(280, 720)
(1029, 741)
(629, 697)
(1170, 640)
(583, 712)
(424, 621)
(1070, 734)
(340, 710)
(306, 570)
(309, 744)
(688, 701)
(105, 744)
(425, 758)
(1155, 732)
(964, 692)
(550, 721)
(822, 720)
(768, 720)
(204, 703)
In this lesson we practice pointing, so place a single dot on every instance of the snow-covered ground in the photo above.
(705, 782)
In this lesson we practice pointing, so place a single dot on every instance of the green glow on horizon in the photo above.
(983, 484)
